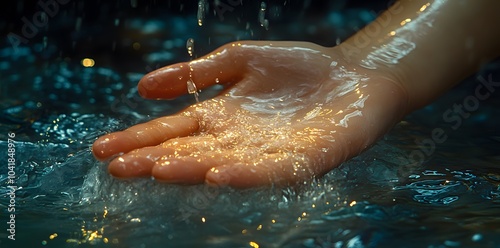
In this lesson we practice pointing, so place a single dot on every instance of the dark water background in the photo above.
(57, 108)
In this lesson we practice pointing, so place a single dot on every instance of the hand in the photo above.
(290, 111)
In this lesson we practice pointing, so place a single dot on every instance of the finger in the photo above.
(193, 144)
(224, 65)
(278, 169)
(192, 169)
(139, 162)
(146, 134)
(185, 170)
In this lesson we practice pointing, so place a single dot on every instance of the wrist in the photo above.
(395, 75)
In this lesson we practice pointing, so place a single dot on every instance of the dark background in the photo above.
(89, 28)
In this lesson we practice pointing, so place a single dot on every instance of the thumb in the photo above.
(223, 66)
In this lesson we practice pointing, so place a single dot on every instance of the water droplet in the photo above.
(190, 47)
(202, 9)
(262, 16)
(117, 22)
(216, 80)
(191, 87)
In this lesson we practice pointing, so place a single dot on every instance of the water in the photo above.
(190, 47)
(262, 16)
(202, 9)
(191, 87)
(57, 107)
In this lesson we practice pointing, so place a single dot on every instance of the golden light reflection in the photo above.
(253, 244)
(88, 62)
(352, 203)
(136, 220)
(405, 21)
(259, 227)
(91, 237)
(244, 231)
(53, 236)
(424, 7)
(203, 219)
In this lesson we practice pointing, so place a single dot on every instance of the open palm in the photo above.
(290, 111)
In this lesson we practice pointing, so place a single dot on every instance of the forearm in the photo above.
(429, 45)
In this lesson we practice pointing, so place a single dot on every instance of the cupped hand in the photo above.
(290, 111)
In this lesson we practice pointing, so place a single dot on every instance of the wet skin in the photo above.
(290, 111)
(293, 111)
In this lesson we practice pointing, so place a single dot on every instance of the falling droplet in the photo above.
(190, 47)
(202, 9)
(191, 87)
(262, 16)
